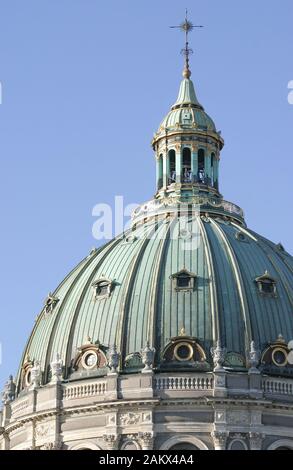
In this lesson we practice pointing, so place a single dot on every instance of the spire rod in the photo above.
(186, 27)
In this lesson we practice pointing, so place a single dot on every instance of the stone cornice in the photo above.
(186, 132)
(33, 417)
(112, 406)
(204, 402)
(263, 403)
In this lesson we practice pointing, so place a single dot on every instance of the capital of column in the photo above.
(111, 441)
(146, 440)
(255, 440)
(220, 439)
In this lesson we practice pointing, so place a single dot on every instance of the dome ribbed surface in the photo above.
(145, 306)
(187, 94)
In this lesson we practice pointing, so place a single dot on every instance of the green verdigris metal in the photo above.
(187, 226)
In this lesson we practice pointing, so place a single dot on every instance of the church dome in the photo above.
(176, 334)
(233, 285)
(188, 272)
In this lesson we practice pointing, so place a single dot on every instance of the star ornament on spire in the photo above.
(186, 27)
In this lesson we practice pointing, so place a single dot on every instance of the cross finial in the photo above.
(186, 27)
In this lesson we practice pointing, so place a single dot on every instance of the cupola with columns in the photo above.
(187, 144)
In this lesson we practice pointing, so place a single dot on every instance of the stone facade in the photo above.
(153, 411)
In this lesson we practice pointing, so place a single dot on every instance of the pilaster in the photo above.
(111, 441)
(112, 386)
(146, 440)
(255, 388)
(255, 440)
(6, 414)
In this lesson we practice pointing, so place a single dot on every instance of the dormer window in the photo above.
(184, 280)
(266, 285)
(91, 356)
(184, 350)
(277, 354)
(130, 239)
(26, 373)
(103, 288)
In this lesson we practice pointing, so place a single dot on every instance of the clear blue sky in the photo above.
(86, 83)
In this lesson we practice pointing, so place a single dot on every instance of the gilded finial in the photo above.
(186, 27)
(182, 332)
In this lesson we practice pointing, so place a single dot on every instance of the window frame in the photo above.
(184, 272)
(106, 283)
(266, 279)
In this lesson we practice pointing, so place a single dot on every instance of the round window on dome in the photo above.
(28, 378)
(89, 359)
(240, 236)
(279, 357)
(183, 352)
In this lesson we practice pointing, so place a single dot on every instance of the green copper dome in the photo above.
(145, 305)
(188, 267)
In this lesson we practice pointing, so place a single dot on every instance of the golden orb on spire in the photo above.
(186, 73)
